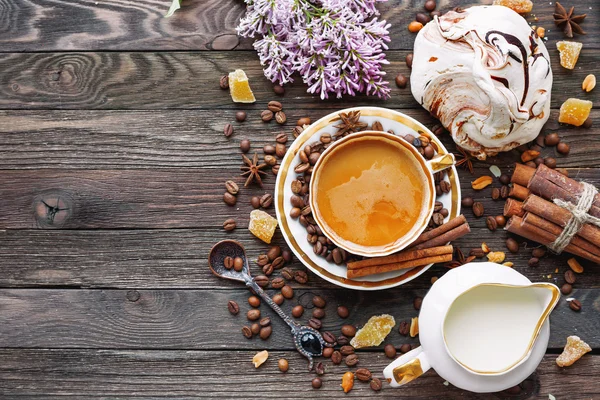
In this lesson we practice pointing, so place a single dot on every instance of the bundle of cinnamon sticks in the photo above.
(430, 247)
(534, 216)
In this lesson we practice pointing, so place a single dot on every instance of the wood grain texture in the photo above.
(101, 139)
(193, 374)
(178, 80)
(199, 319)
(51, 25)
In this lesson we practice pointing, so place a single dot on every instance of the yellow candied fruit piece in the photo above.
(262, 225)
(574, 350)
(574, 111)
(569, 53)
(520, 6)
(374, 331)
(239, 87)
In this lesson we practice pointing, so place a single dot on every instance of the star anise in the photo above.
(350, 124)
(459, 258)
(568, 21)
(253, 170)
(464, 159)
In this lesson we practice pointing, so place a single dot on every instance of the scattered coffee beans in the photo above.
(229, 224)
(351, 360)
(467, 202)
(375, 384)
(238, 264)
(405, 348)
(245, 146)
(247, 332)
(265, 332)
(254, 301)
(317, 383)
(478, 209)
(318, 313)
(224, 82)
(255, 201)
(287, 292)
(253, 314)
(336, 357)
(228, 130)
(315, 323)
(278, 299)
(318, 301)
(240, 116)
(348, 330)
(404, 328)
(297, 311)
(363, 374)
(401, 81)
(575, 305)
(229, 199)
(512, 245)
(283, 364)
(390, 350)
(233, 307)
(566, 289)
(343, 312)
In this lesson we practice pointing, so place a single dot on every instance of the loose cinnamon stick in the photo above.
(440, 230)
(519, 192)
(560, 216)
(449, 236)
(522, 174)
(556, 230)
(513, 207)
(379, 269)
(516, 225)
(402, 256)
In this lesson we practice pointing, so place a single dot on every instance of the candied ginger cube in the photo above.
(239, 87)
(374, 331)
(569, 53)
(262, 225)
(574, 350)
(574, 111)
(520, 6)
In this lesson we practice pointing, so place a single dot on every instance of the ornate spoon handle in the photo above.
(259, 291)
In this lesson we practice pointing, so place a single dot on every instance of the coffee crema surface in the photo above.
(371, 191)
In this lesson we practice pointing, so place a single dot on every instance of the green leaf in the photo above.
(176, 5)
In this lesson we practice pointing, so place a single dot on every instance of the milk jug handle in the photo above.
(407, 368)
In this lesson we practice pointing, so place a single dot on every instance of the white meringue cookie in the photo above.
(485, 75)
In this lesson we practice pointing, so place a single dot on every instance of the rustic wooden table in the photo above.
(117, 112)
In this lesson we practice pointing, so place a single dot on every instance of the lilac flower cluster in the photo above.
(335, 45)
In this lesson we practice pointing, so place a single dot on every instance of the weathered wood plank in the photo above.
(190, 80)
(101, 139)
(34, 25)
(193, 374)
(199, 319)
(177, 259)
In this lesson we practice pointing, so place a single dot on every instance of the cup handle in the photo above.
(407, 368)
(441, 163)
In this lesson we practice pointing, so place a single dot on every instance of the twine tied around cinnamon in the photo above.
(579, 217)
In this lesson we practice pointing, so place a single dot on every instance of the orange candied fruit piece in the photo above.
(574, 111)
(239, 87)
(520, 6)
(262, 225)
(569, 53)
(574, 350)
(374, 331)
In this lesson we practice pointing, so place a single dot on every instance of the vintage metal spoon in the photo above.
(308, 341)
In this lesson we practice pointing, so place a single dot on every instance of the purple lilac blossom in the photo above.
(336, 46)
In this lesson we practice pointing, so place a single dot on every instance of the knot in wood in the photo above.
(52, 209)
(133, 295)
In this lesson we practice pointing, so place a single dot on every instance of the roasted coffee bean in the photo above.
(287, 292)
(232, 187)
(375, 384)
(300, 277)
(343, 340)
(327, 352)
(262, 281)
(269, 149)
(282, 363)
(266, 115)
(313, 158)
(336, 357)
(287, 274)
(303, 121)
(278, 263)
(228, 262)
(318, 313)
(306, 210)
(491, 223)
(566, 289)
(504, 191)
(296, 187)
(254, 301)
(319, 368)
(238, 264)
(495, 193)
(409, 60)
(444, 212)
(228, 130)
(229, 199)
(363, 374)
(296, 201)
(401, 81)
(348, 330)
(467, 202)
(267, 269)
(422, 18)
(275, 169)
(280, 117)
(278, 299)
(245, 146)
(390, 351)
(316, 383)
(318, 301)
(229, 224)
(315, 323)
(297, 130)
(224, 82)
(437, 207)
(430, 5)
(240, 116)
(266, 321)
(477, 252)
(504, 179)
(552, 139)
(533, 262)
(550, 162)
(328, 337)
(512, 245)
(279, 90)
(570, 276)
(270, 160)
(478, 209)
(287, 256)
(417, 303)
(538, 160)
(247, 332)
(575, 305)
(318, 247)
(233, 307)
(343, 312)
(265, 332)
(278, 283)
(404, 328)
(500, 220)
(347, 350)
(405, 348)
(280, 150)
(255, 327)
(428, 152)
(262, 260)
(297, 311)
(325, 138)
(538, 252)
(255, 202)
(281, 138)
(351, 360)
(302, 167)
(563, 148)
(438, 219)
(266, 200)
(273, 253)
(253, 314)
(274, 106)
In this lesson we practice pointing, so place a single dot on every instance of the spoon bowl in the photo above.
(216, 260)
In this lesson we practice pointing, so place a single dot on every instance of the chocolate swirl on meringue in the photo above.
(485, 75)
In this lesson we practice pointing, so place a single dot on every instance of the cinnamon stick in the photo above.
(518, 192)
(453, 223)
(516, 225)
(560, 216)
(554, 229)
(513, 207)
(522, 174)
(402, 256)
(379, 269)
(444, 238)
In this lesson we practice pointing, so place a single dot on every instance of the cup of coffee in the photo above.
(372, 193)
